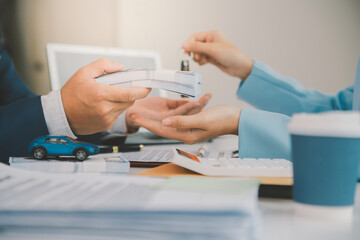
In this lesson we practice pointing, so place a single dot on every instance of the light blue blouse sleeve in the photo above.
(263, 134)
(267, 90)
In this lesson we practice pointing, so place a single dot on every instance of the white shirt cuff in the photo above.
(55, 116)
(120, 125)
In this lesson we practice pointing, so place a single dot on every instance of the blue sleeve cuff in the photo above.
(263, 134)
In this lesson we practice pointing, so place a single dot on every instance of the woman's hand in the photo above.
(212, 122)
(213, 47)
(158, 108)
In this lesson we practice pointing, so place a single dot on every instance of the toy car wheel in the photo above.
(81, 154)
(39, 153)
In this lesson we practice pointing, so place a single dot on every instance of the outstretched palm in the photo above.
(158, 108)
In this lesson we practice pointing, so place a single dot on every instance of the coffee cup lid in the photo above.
(332, 124)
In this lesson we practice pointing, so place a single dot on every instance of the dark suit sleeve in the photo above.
(21, 114)
(12, 88)
(20, 123)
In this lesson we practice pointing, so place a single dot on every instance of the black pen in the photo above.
(121, 148)
(235, 154)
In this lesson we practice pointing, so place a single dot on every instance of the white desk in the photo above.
(279, 221)
(278, 218)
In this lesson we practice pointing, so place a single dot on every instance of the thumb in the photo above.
(101, 66)
(200, 47)
(184, 122)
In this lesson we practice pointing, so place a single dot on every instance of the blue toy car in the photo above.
(42, 147)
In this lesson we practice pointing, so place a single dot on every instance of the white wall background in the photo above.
(315, 41)
(90, 22)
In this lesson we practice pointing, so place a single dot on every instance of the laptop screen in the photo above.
(64, 60)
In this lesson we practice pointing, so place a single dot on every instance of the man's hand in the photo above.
(213, 47)
(157, 108)
(91, 107)
(212, 122)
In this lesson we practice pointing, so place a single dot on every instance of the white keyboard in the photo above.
(262, 163)
(246, 167)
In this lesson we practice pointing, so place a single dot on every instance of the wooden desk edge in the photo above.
(169, 170)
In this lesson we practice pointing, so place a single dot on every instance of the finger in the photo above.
(184, 109)
(151, 114)
(172, 104)
(157, 128)
(180, 110)
(205, 99)
(216, 63)
(101, 66)
(185, 122)
(196, 57)
(203, 60)
(119, 107)
(124, 94)
(189, 136)
(200, 47)
(200, 36)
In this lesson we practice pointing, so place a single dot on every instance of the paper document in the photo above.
(209, 185)
(182, 82)
(165, 155)
(101, 163)
(125, 205)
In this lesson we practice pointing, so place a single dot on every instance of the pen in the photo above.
(121, 148)
(202, 151)
(235, 154)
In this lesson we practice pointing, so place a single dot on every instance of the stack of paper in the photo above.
(182, 82)
(126, 207)
(101, 163)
